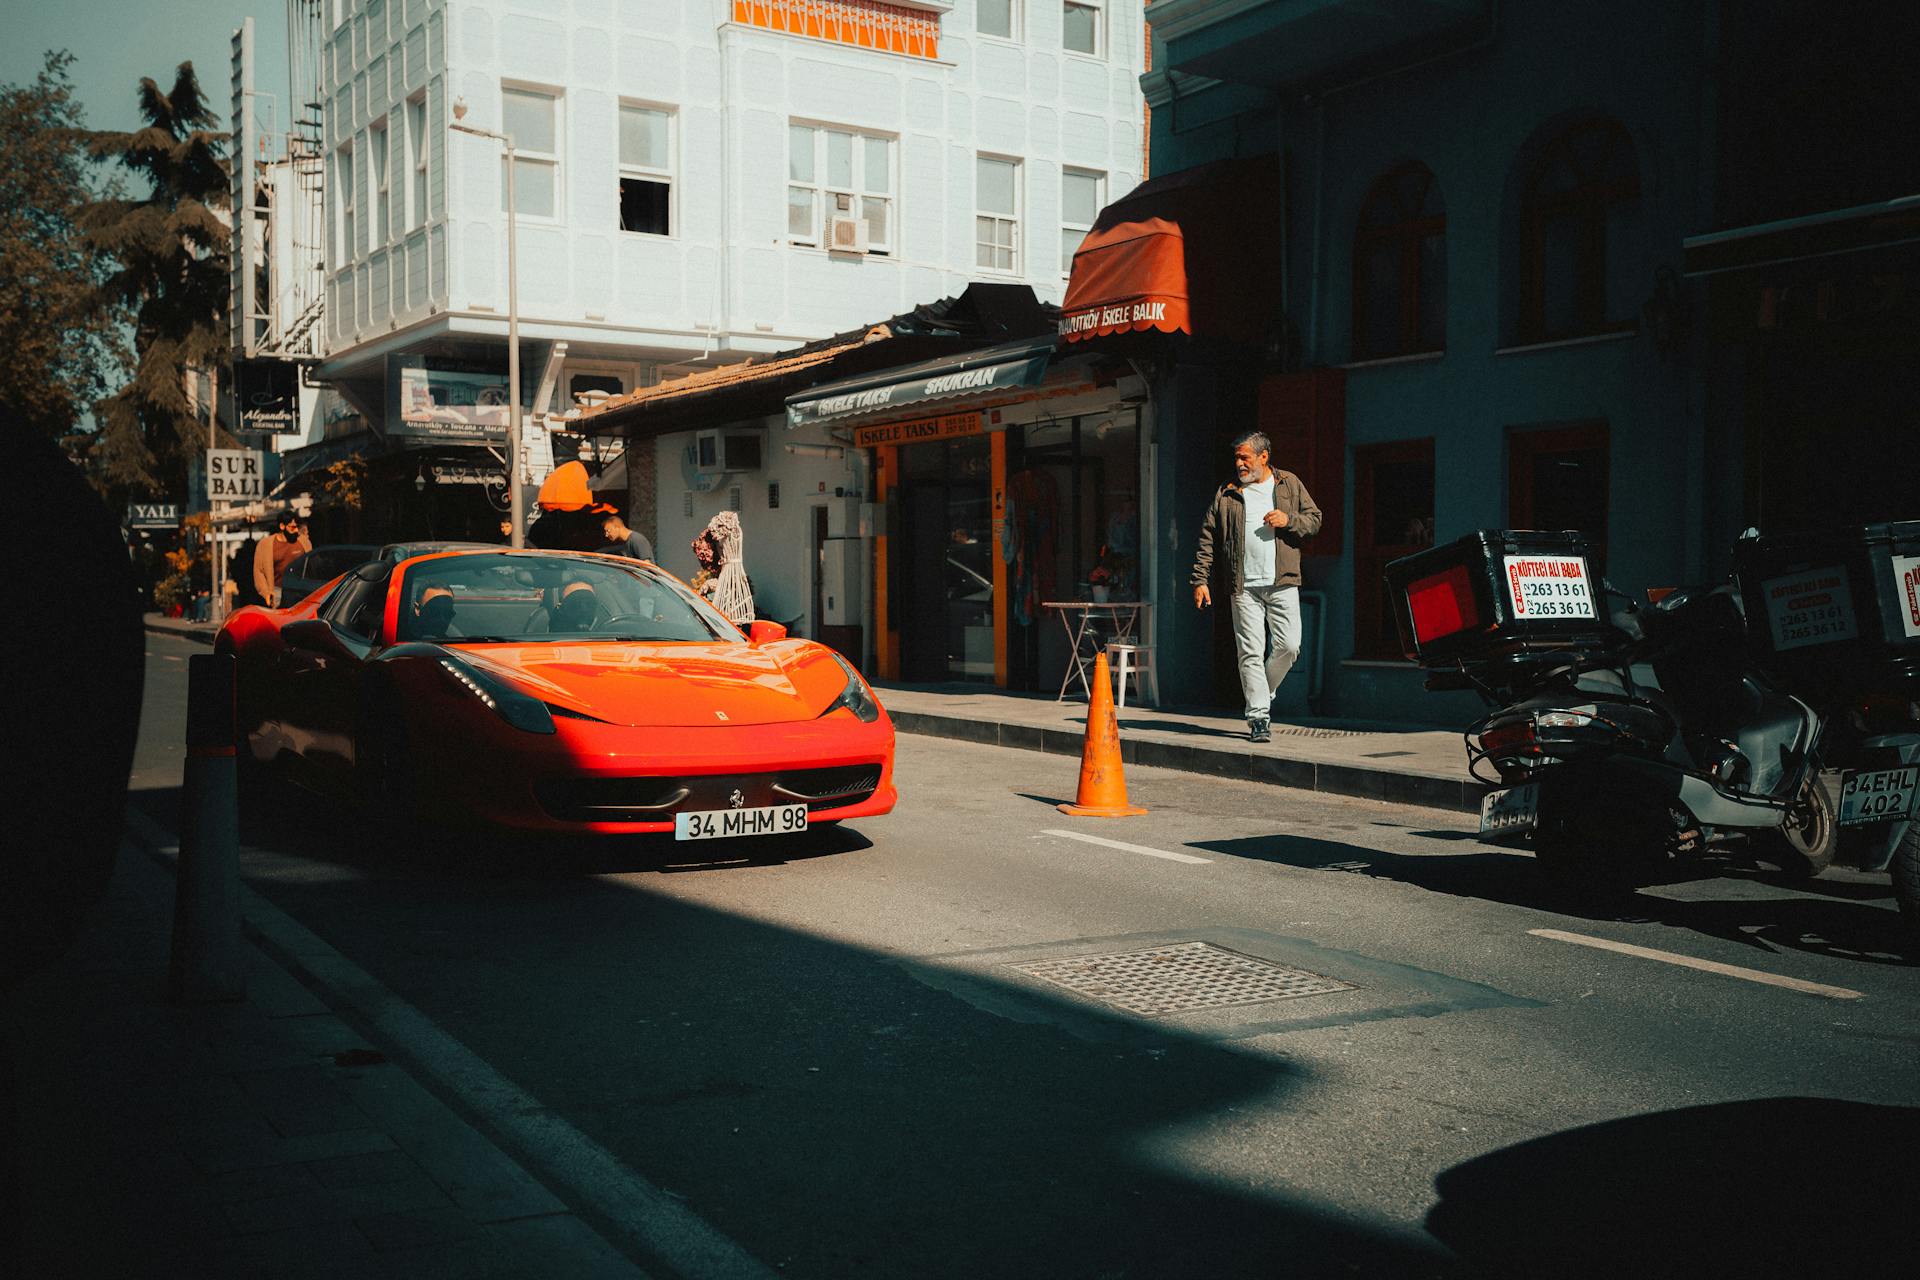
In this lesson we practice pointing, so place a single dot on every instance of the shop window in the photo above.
(532, 119)
(1392, 517)
(646, 170)
(1576, 219)
(1557, 479)
(1400, 267)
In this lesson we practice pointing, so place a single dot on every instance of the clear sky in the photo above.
(116, 42)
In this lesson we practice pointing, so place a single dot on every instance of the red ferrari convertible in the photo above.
(556, 691)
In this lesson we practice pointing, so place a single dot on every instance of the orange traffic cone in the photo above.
(1103, 788)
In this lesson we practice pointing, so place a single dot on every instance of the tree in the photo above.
(169, 255)
(62, 348)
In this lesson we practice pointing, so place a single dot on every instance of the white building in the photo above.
(684, 168)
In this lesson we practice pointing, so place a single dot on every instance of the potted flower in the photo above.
(1099, 581)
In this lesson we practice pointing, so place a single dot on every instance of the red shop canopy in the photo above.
(1192, 252)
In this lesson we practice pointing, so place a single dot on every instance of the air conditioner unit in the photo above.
(846, 235)
(715, 452)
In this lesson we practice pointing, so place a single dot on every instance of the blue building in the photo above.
(1535, 264)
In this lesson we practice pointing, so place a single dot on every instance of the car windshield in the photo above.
(478, 598)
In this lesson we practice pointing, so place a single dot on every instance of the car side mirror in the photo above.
(761, 631)
(311, 634)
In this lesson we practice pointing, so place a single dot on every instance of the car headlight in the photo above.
(516, 708)
(855, 696)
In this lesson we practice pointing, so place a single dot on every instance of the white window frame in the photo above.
(1015, 27)
(345, 173)
(1099, 8)
(856, 195)
(1012, 220)
(1099, 177)
(380, 161)
(668, 175)
(629, 375)
(551, 159)
(419, 148)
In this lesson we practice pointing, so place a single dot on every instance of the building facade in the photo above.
(1479, 318)
(698, 182)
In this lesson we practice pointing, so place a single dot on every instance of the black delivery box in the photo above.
(1498, 592)
(1835, 611)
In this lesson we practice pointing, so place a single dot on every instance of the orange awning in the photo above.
(1131, 276)
(1191, 252)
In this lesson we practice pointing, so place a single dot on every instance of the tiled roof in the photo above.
(732, 375)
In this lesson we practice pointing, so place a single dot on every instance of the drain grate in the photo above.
(1181, 978)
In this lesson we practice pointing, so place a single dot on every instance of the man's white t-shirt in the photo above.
(1256, 556)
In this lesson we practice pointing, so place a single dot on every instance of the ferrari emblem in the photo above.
(736, 799)
(721, 714)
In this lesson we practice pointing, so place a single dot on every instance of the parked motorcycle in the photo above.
(1624, 736)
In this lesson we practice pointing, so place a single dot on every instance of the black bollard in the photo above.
(206, 906)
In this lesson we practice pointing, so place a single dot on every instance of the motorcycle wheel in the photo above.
(1805, 844)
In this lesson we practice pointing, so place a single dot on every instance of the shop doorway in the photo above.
(945, 588)
(1557, 479)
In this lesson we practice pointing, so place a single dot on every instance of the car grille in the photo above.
(655, 799)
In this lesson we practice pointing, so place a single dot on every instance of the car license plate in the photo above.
(1511, 811)
(1883, 795)
(719, 824)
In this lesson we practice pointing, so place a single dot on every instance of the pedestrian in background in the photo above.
(1251, 536)
(624, 541)
(272, 555)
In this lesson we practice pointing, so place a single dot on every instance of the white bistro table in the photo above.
(1084, 645)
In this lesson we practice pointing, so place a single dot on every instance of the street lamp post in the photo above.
(516, 505)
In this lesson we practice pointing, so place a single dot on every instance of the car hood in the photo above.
(672, 685)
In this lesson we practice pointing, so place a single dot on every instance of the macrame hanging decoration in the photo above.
(731, 594)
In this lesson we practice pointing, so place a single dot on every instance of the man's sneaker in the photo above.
(1259, 729)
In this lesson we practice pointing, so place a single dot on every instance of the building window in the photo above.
(1082, 194)
(382, 183)
(997, 214)
(1392, 517)
(995, 18)
(343, 171)
(532, 119)
(1400, 267)
(417, 143)
(646, 170)
(1557, 479)
(1081, 28)
(1575, 220)
(836, 175)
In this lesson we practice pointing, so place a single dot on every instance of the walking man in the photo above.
(1256, 524)
(272, 556)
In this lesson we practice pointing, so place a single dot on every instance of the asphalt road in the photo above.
(832, 1054)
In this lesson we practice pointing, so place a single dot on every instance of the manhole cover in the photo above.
(1181, 978)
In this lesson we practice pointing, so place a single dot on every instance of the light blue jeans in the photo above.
(1266, 631)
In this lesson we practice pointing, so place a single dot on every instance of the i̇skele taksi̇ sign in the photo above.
(943, 427)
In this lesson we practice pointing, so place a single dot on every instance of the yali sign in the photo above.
(236, 475)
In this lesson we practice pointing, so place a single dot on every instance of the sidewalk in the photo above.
(1405, 764)
(264, 1138)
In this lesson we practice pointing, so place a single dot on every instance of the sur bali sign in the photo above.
(944, 427)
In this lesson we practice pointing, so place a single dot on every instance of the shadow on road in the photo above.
(1847, 924)
(1771, 1187)
(814, 1099)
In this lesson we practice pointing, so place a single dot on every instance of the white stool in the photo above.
(1127, 658)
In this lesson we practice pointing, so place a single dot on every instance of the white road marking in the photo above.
(1705, 966)
(1121, 844)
